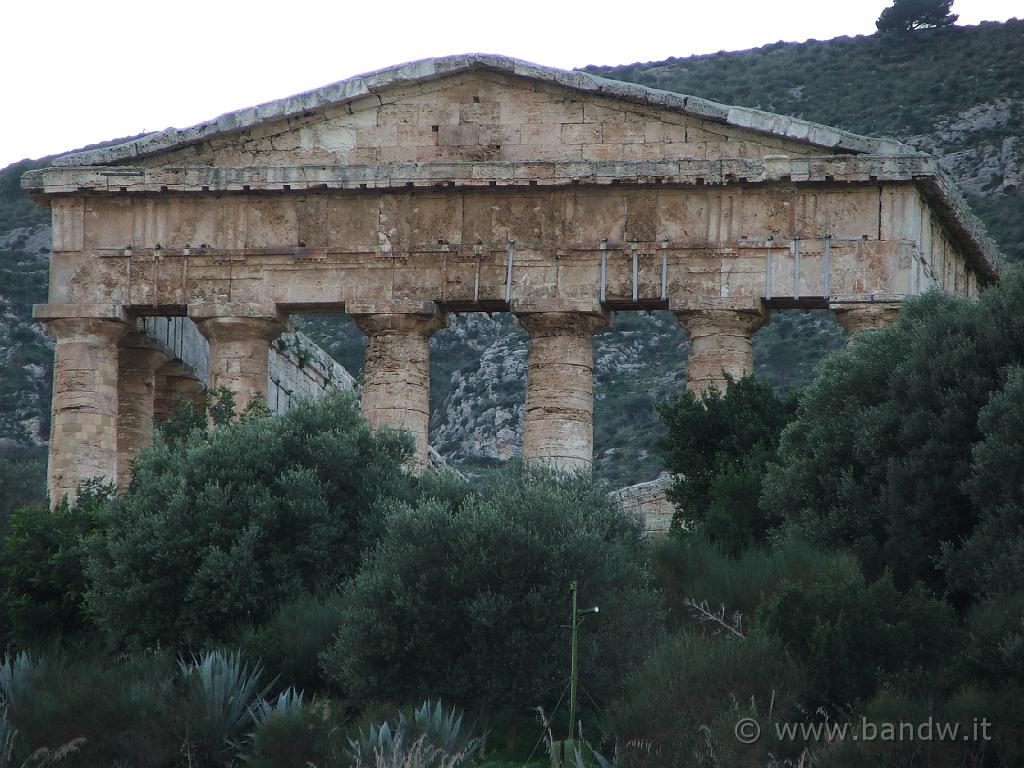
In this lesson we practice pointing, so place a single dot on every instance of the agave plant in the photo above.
(7, 735)
(228, 689)
(379, 738)
(288, 702)
(433, 738)
(15, 678)
(444, 729)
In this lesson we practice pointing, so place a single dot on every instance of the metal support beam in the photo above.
(826, 288)
(604, 270)
(796, 267)
(636, 271)
(664, 273)
(508, 272)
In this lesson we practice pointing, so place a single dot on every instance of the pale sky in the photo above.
(79, 72)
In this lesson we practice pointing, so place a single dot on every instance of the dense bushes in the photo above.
(865, 564)
(991, 559)
(42, 567)
(717, 445)
(881, 449)
(225, 527)
(856, 637)
(290, 642)
(468, 599)
(22, 482)
(681, 707)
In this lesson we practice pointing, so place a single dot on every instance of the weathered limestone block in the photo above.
(650, 503)
(558, 426)
(865, 317)
(138, 359)
(173, 381)
(720, 341)
(83, 434)
(396, 378)
(239, 336)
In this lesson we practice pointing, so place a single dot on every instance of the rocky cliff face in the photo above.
(26, 356)
(981, 146)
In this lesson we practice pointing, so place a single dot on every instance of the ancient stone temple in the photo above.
(468, 184)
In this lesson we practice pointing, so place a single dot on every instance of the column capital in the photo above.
(47, 312)
(238, 321)
(84, 322)
(732, 316)
(855, 318)
(374, 318)
(563, 322)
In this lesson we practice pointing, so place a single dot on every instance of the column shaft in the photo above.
(83, 432)
(138, 359)
(720, 345)
(558, 427)
(396, 378)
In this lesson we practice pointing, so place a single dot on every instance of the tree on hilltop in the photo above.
(908, 15)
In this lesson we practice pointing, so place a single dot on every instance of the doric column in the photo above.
(720, 341)
(138, 358)
(396, 378)
(865, 317)
(173, 381)
(83, 430)
(558, 427)
(239, 336)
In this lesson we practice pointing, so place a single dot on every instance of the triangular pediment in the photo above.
(481, 108)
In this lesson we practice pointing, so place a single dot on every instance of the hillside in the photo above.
(958, 93)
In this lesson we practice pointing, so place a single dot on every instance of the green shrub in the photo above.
(878, 456)
(43, 563)
(690, 567)
(963, 711)
(114, 712)
(856, 637)
(681, 706)
(227, 527)
(718, 445)
(289, 643)
(991, 559)
(469, 601)
(290, 734)
(22, 483)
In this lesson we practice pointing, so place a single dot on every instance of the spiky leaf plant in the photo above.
(7, 735)
(444, 729)
(432, 735)
(225, 689)
(16, 677)
(288, 702)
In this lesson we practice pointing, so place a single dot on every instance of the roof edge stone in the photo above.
(367, 84)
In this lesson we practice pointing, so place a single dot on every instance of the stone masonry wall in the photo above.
(649, 502)
(476, 117)
(298, 367)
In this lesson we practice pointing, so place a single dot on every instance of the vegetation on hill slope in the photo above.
(956, 92)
